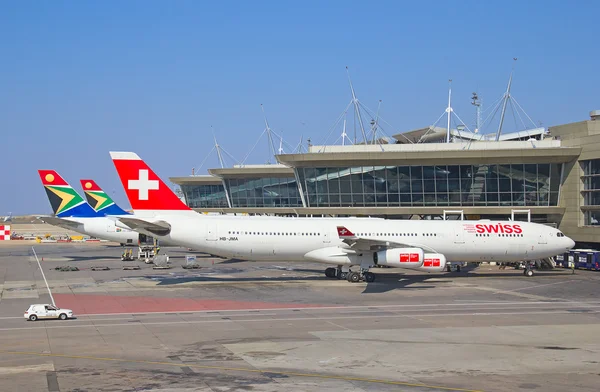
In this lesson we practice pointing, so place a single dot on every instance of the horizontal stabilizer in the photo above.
(160, 228)
(60, 222)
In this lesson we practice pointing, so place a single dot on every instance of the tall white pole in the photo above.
(269, 136)
(506, 98)
(356, 108)
(449, 110)
(43, 276)
(376, 124)
(218, 148)
(280, 144)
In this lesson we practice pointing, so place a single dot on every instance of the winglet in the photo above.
(344, 232)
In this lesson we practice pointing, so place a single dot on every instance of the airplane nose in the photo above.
(570, 243)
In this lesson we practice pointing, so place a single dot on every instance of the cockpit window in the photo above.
(559, 234)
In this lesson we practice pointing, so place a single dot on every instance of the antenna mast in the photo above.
(449, 110)
(356, 107)
(506, 98)
(475, 101)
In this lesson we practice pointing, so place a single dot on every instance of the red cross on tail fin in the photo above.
(144, 189)
(345, 233)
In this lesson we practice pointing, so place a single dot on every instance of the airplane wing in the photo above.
(60, 222)
(368, 244)
(158, 228)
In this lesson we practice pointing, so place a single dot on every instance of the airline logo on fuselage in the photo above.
(409, 257)
(493, 228)
(433, 262)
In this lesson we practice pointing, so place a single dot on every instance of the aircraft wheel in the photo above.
(342, 275)
(330, 272)
(529, 273)
(354, 277)
(369, 277)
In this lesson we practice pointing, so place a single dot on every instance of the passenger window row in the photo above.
(273, 233)
(500, 235)
(390, 234)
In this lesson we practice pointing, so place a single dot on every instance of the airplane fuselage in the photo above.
(103, 228)
(291, 239)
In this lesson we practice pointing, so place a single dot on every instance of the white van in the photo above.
(47, 311)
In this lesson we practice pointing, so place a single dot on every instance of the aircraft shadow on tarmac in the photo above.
(385, 281)
(388, 282)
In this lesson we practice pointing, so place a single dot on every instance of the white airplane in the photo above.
(74, 213)
(353, 245)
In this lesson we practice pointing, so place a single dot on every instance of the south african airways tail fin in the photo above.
(99, 200)
(65, 201)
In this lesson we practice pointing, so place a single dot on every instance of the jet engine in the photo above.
(399, 257)
(433, 262)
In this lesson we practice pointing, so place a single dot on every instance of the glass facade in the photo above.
(592, 218)
(263, 192)
(204, 196)
(591, 182)
(591, 190)
(439, 185)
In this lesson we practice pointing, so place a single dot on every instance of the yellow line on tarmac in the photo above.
(247, 370)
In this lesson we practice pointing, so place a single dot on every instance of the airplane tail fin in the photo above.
(65, 201)
(99, 200)
(144, 189)
(344, 233)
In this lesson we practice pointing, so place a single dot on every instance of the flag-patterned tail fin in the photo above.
(99, 200)
(65, 201)
(144, 189)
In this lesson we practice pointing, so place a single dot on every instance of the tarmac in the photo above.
(245, 326)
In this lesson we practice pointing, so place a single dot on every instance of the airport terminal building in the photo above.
(546, 176)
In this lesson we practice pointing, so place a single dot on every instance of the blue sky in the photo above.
(78, 79)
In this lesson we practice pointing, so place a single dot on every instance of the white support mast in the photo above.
(506, 99)
(218, 148)
(449, 110)
(269, 136)
(356, 107)
(280, 151)
(375, 123)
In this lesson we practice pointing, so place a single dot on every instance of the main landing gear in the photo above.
(350, 276)
(528, 271)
